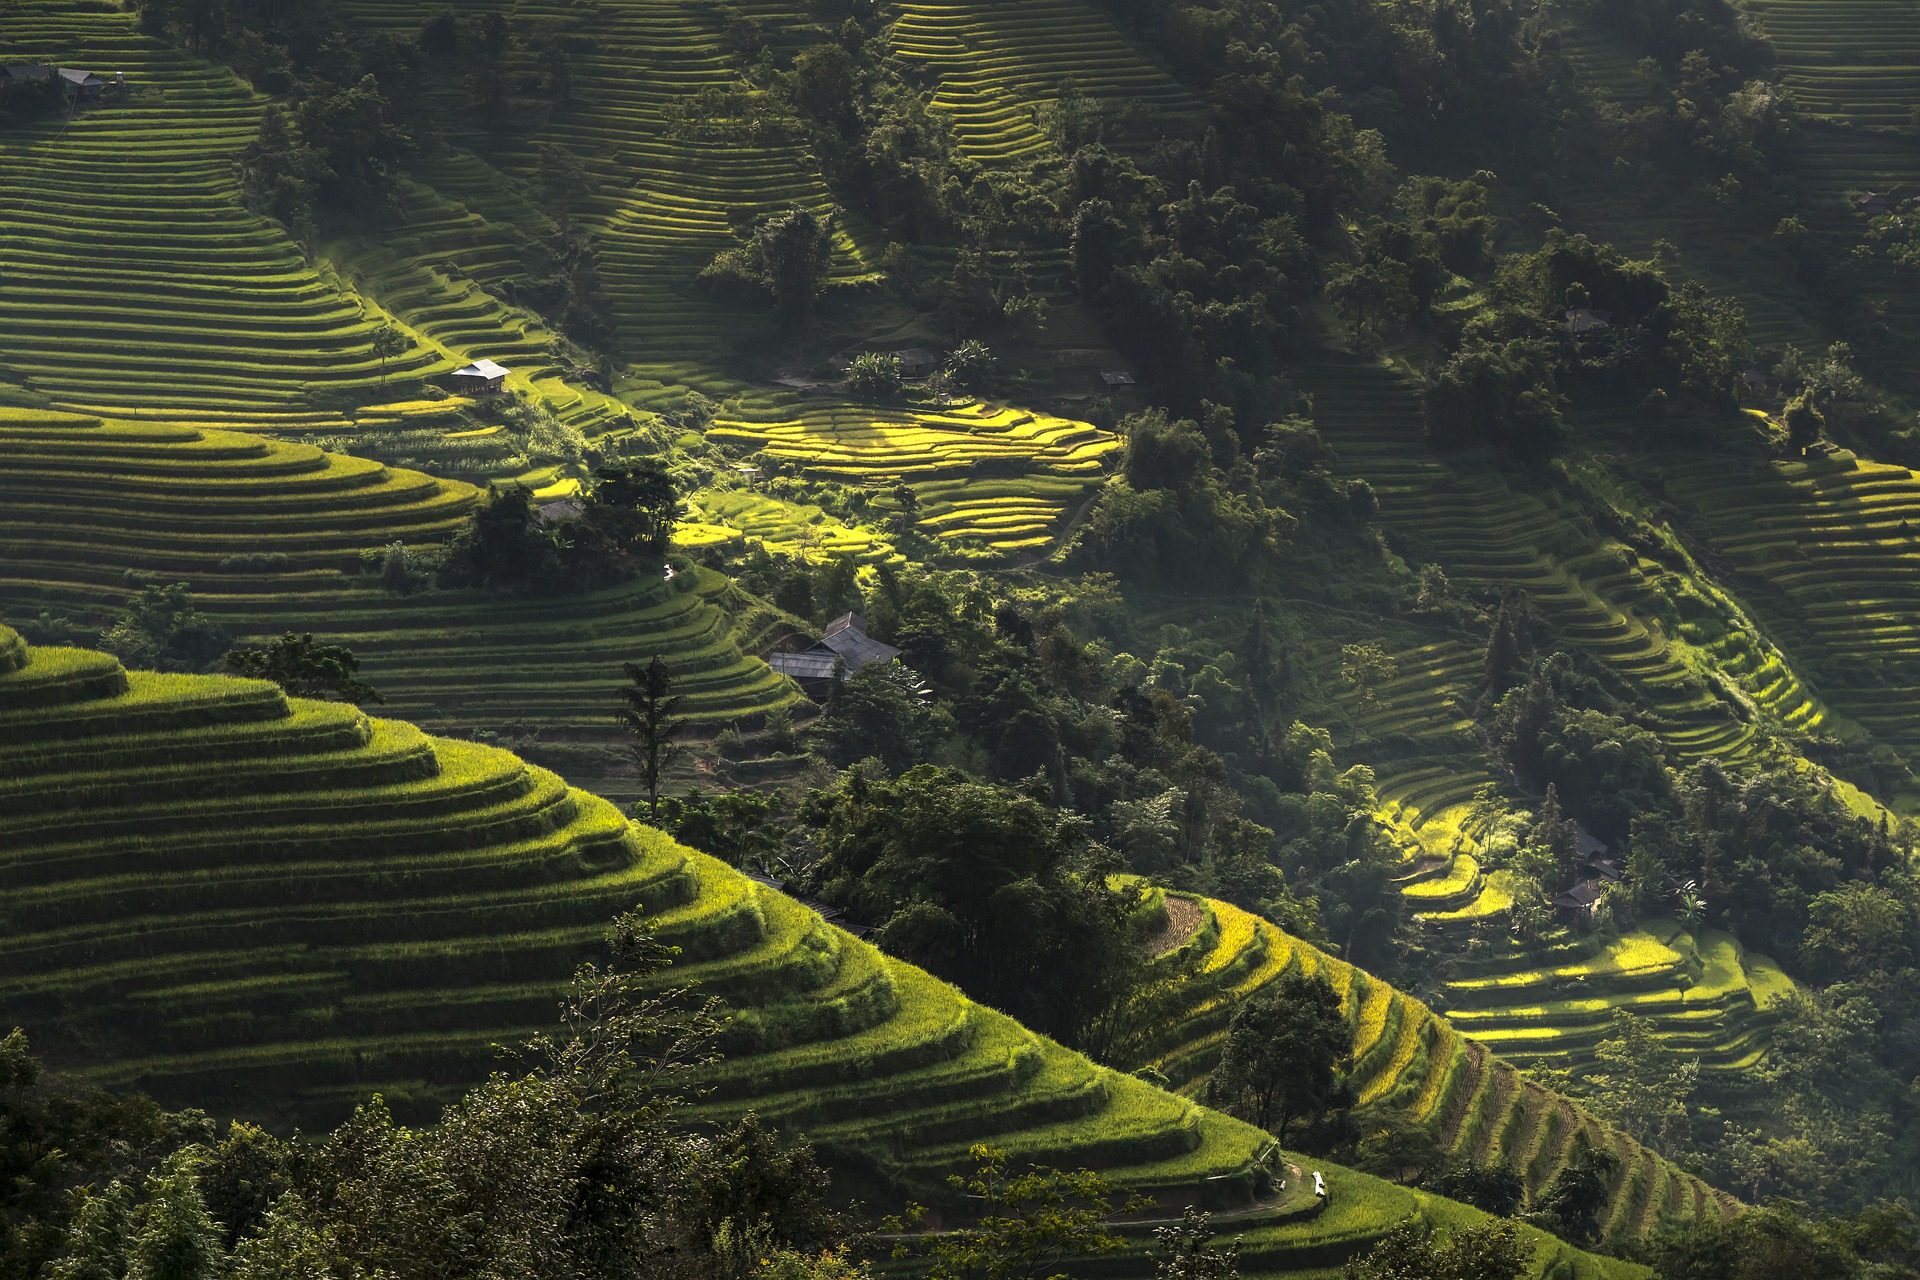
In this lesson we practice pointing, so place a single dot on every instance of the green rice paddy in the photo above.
(273, 907)
(269, 535)
(1442, 1073)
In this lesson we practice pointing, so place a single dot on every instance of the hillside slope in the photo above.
(1408, 1062)
(347, 905)
(268, 535)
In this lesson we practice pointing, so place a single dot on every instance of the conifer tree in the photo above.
(651, 719)
(1503, 654)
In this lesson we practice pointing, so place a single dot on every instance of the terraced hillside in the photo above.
(666, 200)
(1653, 634)
(133, 280)
(269, 535)
(999, 67)
(1408, 1060)
(1825, 551)
(986, 474)
(273, 907)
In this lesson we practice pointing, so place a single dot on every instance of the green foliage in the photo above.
(1571, 1205)
(784, 262)
(1781, 1240)
(164, 630)
(1283, 1054)
(874, 375)
(634, 505)
(990, 889)
(650, 716)
(340, 150)
(881, 713)
(98, 1237)
(1497, 1189)
(60, 1140)
(1490, 1251)
(1805, 423)
(1029, 1223)
(176, 1239)
(506, 547)
(1645, 1086)
(1172, 514)
(731, 825)
(1185, 1250)
(304, 668)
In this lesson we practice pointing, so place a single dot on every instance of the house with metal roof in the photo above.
(846, 647)
(481, 375)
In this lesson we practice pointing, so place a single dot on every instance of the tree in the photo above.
(163, 630)
(1644, 1086)
(388, 341)
(635, 505)
(970, 365)
(792, 250)
(1028, 1223)
(1554, 834)
(1414, 1251)
(1185, 1251)
(1571, 1205)
(1805, 423)
(987, 887)
(1283, 1053)
(650, 720)
(304, 669)
(562, 180)
(1496, 1188)
(1364, 668)
(874, 375)
(176, 1239)
(97, 1241)
(1782, 1241)
(1504, 659)
(878, 713)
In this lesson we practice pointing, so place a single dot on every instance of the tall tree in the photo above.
(651, 720)
(388, 342)
(634, 504)
(1364, 668)
(1284, 1053)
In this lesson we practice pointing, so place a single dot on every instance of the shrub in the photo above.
(874, 375)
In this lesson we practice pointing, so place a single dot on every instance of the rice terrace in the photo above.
(868, 639)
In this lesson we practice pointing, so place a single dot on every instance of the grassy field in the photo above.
(269, 535)
(1442, 1075)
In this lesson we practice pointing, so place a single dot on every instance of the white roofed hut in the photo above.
(481, 376)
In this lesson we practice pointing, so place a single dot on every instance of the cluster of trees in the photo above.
(1222, 502)
(1575, 315)
(626, 522)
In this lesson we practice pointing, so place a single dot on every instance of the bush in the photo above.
(874, 375)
